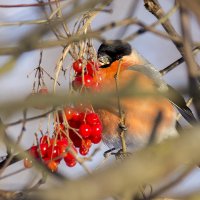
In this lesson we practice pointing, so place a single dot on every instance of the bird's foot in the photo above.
(108, 153)
(122, 127)
(120, 155)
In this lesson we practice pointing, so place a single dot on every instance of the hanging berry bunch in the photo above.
(39, 86)
(51, 151)
(75, 132)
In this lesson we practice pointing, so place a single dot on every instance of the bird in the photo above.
(140, 113)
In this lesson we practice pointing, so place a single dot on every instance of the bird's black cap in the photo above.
(113, 50)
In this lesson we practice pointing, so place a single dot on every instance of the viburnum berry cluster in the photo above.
(86, 75)
(51, 151)
(76, 128)
(82, 130)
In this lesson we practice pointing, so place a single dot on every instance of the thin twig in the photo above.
(122, 125)
(193, 69)
(29, 5)
(154, 7)
(177, 62)
(10, 157)
(30, 118)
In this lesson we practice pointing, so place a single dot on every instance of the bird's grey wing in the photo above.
(179, 102)
(169, 92)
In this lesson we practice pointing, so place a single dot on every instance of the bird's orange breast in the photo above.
(140, 112)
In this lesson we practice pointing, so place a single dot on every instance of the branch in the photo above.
(133, 172)
(177, 62)
(30, 5)
(154, 7)
(193, 69)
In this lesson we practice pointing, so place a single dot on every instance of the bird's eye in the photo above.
(118, 57)
(104, 60)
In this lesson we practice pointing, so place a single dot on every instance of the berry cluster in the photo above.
(43, 90)
(84, 128)
(86, 75)
(51, 151)
(74, 130)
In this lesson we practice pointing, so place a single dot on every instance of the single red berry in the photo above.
(70, 159)
(43, 90)
(85, 130)
(34, 151)
(28, 163)
(62, 145)
(92, 119)
(91, 67)
(77, 66)
(96, 139)
(76, 115)
(69, 111)
(83, 150)
(44, 139)
(43, 149)
(53, 152)
(62, 142)
(52, 165)
(88, 81)
(87, 143)
(96, 130)
(71, 163)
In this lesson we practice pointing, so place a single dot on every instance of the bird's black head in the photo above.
(111, 51)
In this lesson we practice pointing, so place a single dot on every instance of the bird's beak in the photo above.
(104, 61)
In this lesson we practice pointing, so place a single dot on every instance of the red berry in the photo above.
(43, 90)
(62, 142)
(76, 116)
(96, 130)
(62, 145)
(70, 159)
(52, 165)
(77, 83)
(88, 80)
(53, 152)
(69, 111)
(44, 139)
(96, 139)
(92, 119)
(85, 130)
(71, 163)
(34, 151)
(77, 66)
(91, 67)
(43, 149)
(87, 143)
(28, 163)
(83, 150)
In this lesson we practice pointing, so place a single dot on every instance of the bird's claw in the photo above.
(120, 155)
(123, 127)
(108, 152)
